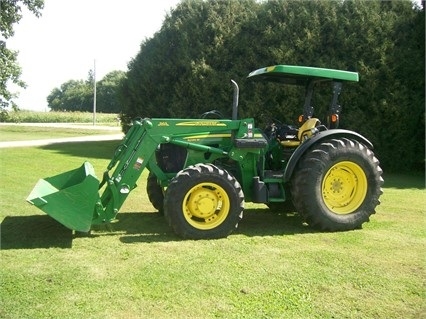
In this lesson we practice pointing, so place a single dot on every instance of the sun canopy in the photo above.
(301, 75)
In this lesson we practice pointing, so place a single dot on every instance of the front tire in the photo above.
(203, 202)
(337, 185)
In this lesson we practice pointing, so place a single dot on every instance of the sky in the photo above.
(72, 36)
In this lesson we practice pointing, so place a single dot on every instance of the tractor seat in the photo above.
(303, 133)
(306, 130)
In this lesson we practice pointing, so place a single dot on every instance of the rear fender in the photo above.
(335, 133)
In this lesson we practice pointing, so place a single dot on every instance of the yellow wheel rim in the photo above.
(206, 206)
(344, 187)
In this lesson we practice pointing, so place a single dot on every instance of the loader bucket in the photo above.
(70, 197)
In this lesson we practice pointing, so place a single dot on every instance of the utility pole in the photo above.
(94, 92)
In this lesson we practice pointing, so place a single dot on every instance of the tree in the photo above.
(77, 95)
(10, 71)
(73, 95)
(385, 40)
(185, 68)
(178, 72)
(107, 100)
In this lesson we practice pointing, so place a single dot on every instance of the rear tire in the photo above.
(203, 202)
(337, 184)
(155, 193)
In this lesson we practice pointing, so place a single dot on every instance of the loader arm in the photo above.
(136, 153)
(78, 200)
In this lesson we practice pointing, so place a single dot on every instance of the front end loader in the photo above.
(202, 171)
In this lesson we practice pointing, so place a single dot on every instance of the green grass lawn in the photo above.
(271, 267)
(23, 133)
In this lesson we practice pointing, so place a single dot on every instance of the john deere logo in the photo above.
(163, 124)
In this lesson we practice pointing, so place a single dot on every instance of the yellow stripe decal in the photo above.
(207, 136)
(224, 135)
(201, 123)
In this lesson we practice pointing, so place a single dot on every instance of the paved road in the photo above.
(99, 137)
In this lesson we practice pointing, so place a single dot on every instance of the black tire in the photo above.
(203, 202)
(155, 193)
(337, 184)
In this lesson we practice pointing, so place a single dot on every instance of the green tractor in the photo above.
(202, 171)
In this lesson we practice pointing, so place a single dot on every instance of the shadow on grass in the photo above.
(38, 231)
(265, 222)
(140, 227)
(42, 231)
(404, 181)
(152, 227)
(98, 149)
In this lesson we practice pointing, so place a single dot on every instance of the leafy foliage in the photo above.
(107, 92)
(185, 68)
(73, 95)
(78, 95)
(10, 71)
(178, 72)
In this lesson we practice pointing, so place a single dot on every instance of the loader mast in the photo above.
(129, 160)
(137, 152)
